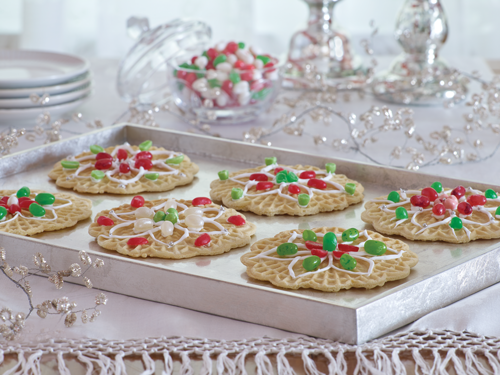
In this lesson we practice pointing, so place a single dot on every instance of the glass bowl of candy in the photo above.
(228, 83)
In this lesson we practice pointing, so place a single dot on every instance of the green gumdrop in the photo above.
(146, 145)
(309, 235)
(311, 263)
(303, 199)
(234, 77)
(271, 160)
(264, 59)
(401, 213)
(214, 83)
(331, 167)
(3, 212)
(45, 199)
(97, 174)
(223, 175)
(220, 59)
(287, 248)
(497, 212)
(291, 177)
(262, 94)
(329, 241)
(437, 186)
(184, 65)
(281, 176)
(490, 194)
(350, 235)
(68, 164)
(23, 192)
(241, 45)
(152, 176)
(175, 160)
(236, 193)
(457, 224)
(375, 247)
(350, 188)
(205, 54)
(348, 262)
(159, 216)
(393, 197)
(37, 210)
(95, 149)
(172, 215)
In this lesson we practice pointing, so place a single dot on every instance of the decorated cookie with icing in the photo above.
(28, 212)
(276, 189)
(436, 214)
(171, 228)
(124, 169)
(329, 259)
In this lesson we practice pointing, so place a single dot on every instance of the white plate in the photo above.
(73, 84)
(52, 99)
(20, 68)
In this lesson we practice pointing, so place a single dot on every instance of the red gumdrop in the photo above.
(293, 189)
(258, 177)
(190, 78)
(264, 185)
(145, 163)
(121, 154)
(239, 65)
(25, 204)
(319, 253)
(103, 155)
(232, 47)
(256, 86)
(458, 192)
(477, 200)
(236, 220)
(246, 76)
(464, 208)
(212, 53)
(201, 201)
(420, 201)
(337, 254)
(203, 240)
(347, 248)
(193, 59)
(144, 155)
(430, 193)
(439, 209)
(103, 164)
(278, 170)
(136, 241)
(312, 245)
(124, 168)
(307, 174)
(317, 184)
(105, 221)
(227, 86)
(137, 201)
(13, 208)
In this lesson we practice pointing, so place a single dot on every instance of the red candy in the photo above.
(239, 65)
(258, 177)
(4, 200)
(227, 86)
(102, 164)
(256, 85)
(105, 221)
(103, 155)
(137, 201)
(26, 203)
(264, 185)
(201, 201)
(420, 201)
(464, 208)
(121, 154)
(145, 163)
(312, 245)
(430, 193)
(293, 189)
(246, 76)
(203, 240)
(193, 59)
(347, 248)
(212, 53)
(13, 208)
(307, 175)
(319, 253)
(236, 220)
(232, 47)
(277, 170)
(137, 241)
(181, 74)
(338, 254)
(124, 168)
(458, 192)
(477, 200)
(190, 78)
(317, 184)
(144, 155)
(439, 209)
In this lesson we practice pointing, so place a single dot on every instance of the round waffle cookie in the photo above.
(172, 228)
(276, 189)
(27, 212)
(124, 169)
(329, 259)
(436, 214)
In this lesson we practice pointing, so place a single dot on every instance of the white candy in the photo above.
(200, 85)
(259, 64)
(142, 225)
(231, 59)
(167, 228)
(211, 74)
(244, 98)
(273, 76)
(211, 93)
(224, 67)
(194, 222)
(144, 212)
(257, 74)
(244, 56)
(222, 99)
(222, 76)
(171, 203)
(13, 200)
(255, 50)
(241, 87)
(201, 62)
(193, 211)
(220, 46)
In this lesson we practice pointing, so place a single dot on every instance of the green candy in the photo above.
(350, 235)
(184, 65)
(350, 188)
(291, 177)
(220, 59)
(68, 164)
(264, 59)
(241, 45)
(497, 212)
(234, 77)
(262, 94)
(271, 160)
(281, 176)
(205, 54)
(309, 235)
(37, 210)
(97, 174)
(223, 175)
(287, 248)
(456, 223)
(490, 194)
(348, 262)
(159, 216)
(214, 83)
(437, 186)
(331, 167)
(152, 176)
(45, 199)
(401, 213)
(176, 160)
(172, 215)
(3, 212)
(375, 247)
(23, 192)
(236, 193)
(393, 197)
(146, 145)
(329, 241)
(311, 263)
(95, 149)
(303, 199)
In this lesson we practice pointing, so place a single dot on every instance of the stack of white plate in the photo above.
(35, 82)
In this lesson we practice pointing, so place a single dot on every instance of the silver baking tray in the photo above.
(219, 284)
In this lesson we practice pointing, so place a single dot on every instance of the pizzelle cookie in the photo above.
(436, 214)
(172, 228)
(27, 212)
(124, 169)
(329, 259)
(279, 189)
